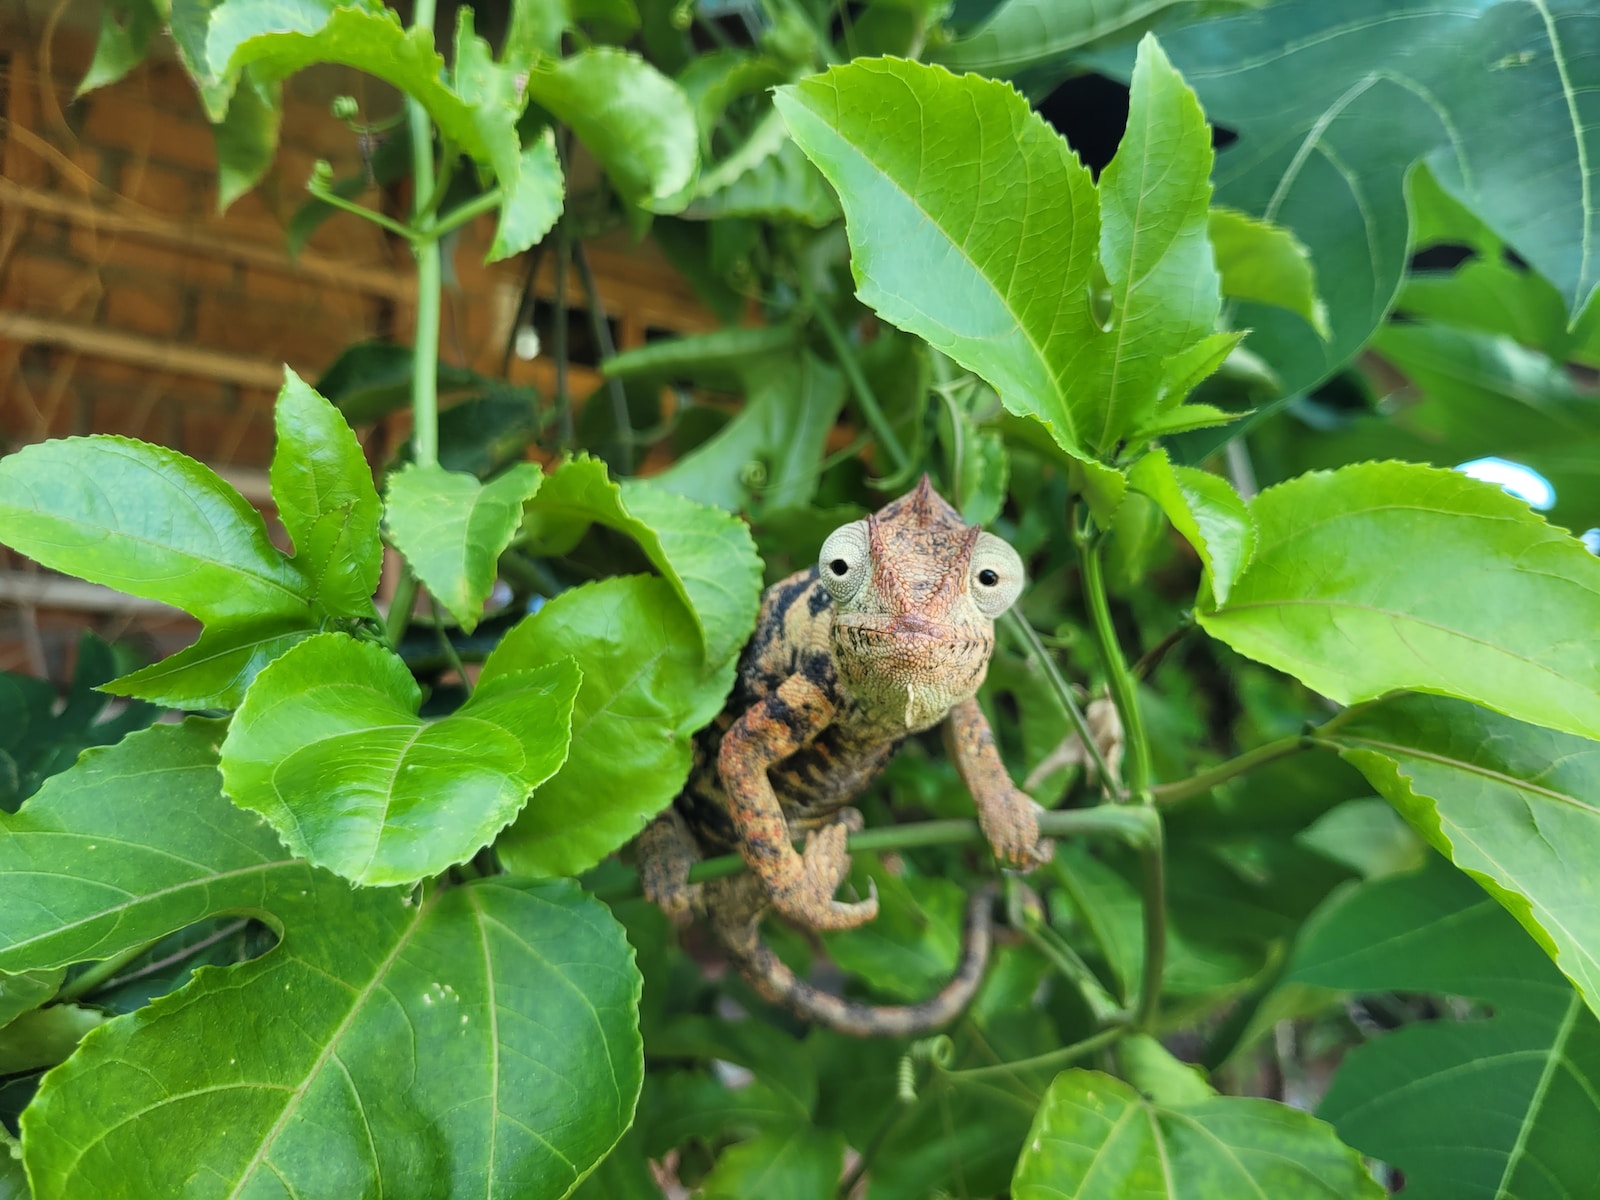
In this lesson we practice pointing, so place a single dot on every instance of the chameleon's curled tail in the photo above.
(776, 983)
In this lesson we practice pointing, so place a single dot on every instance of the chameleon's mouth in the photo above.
(908, 627)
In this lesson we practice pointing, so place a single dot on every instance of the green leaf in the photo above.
(126, 27)
(780, 186)
(642, 698)
(766, 456)
(800, 1163)
(217, 669)
(323, 490)
(45, 1037)
(1023, 33)
(452, 529)
(148, 521)
(531, 208)
(479, 1040)
(247, 137)
(1096, 1138)
(1000, 281)
(1496, 1108)
(1266, 263)
(276, 40)
(83, 879)
(726, 360)
(1155, 199)
(27, 990)
(1357, 588)
(1513, 805)
(715, 80)
(1181, 374)
(707, 556)
(1438, 78)
(1206, 510)
(632, 118)
(185, 538)
(328, 747)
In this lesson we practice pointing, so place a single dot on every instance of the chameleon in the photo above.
(888, 635)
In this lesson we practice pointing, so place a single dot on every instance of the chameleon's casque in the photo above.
(888, 635)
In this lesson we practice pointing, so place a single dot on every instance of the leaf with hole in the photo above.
(476, 1040)
(328, 747)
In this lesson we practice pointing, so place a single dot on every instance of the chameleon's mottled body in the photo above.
(888, 636)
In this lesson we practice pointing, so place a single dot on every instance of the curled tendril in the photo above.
(345, 108)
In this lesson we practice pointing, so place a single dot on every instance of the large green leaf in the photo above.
(323, 489)
(1022, 33)
(1262, 262)
(148, 521)
(635, 121)
(1385, 576)
(1155, 250)
(1502, 1107)
(83, 879)
(996, 276)
(452, 529)
(975, 227)
(328, 747)
(246, 138)
(644, 693)
(479, 1041)
(1097, 1138)
(1515, 806)
(1489, 94)
(708, 556)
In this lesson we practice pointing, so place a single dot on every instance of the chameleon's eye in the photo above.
(997, 575)
(843, 562)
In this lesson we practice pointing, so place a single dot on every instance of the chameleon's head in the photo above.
(916, 592)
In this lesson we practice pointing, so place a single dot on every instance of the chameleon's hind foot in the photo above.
(666, 852)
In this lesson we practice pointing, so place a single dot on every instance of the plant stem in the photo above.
(1196, 785)
(405, 597)
(1109, 780)
(563, 397)
(1151, 659)
(447, 646)
(160, 964)
(1153, 886)
(462, 213)
(1133, 825)
(97, 973)
(866, 400)
(425, 350)
(525, 301)
(1123, 691)
(334, 200)
(1054, 1060)
(608, 350)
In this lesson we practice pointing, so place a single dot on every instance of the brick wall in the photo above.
(129, 305)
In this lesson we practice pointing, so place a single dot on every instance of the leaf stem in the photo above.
(563, 396)
(1196, 785)
(447, 646)
(1153, 889)
(95, 975)
(608, 350)
(866, 400)
(1109, 780)
(334, 200)
(1054, 1060)
(400, 606)
(1123, 691)
(464, 212)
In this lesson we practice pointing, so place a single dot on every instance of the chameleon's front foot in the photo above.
(666, 852)
(804, 891)
(1011, 825)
